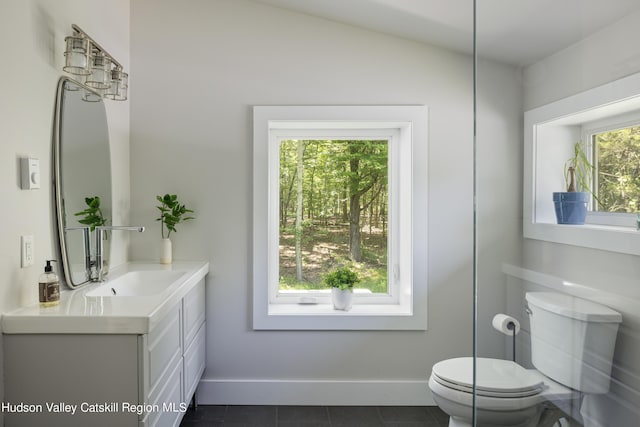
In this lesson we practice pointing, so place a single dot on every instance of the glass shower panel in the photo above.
(557, 102)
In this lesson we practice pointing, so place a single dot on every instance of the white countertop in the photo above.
(78, 313)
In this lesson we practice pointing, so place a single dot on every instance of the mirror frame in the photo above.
(57, 188)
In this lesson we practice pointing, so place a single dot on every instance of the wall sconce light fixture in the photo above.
(95, 66)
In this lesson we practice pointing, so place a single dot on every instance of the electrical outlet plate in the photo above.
(27, 250)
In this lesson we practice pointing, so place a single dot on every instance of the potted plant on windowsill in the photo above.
(171, 214)
(341, 281)
(571, 205)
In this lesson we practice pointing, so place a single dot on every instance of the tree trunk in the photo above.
(354, 206)
(299, 213)
(284, 214)
(355, 250)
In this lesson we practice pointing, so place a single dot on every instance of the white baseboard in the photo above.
(314, 392)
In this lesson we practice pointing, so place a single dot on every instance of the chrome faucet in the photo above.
(99, 247)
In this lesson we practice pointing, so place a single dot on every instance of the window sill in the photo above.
(325, 317)
(327, 309)
(619, 239)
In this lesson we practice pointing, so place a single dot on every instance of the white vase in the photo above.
(166, 252)
(341, 298)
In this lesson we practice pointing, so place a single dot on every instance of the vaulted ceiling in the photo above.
(518, 32)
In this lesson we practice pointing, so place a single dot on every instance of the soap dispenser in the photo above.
(49, 287)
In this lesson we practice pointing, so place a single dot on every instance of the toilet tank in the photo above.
(572, 340)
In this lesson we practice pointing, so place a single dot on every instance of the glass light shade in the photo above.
(119, 86)
(100, 66)
(72, 87)
(77, 56)
(90, 96)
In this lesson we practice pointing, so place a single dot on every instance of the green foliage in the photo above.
(92, 214)
(334, 170)
(341, 278)
(373, 279)
(618, 182)
(582, 167)
(344, 184)
(171, 213)
(583, 171)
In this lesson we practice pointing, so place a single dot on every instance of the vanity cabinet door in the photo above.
(194, 314)
(163, 352)
(168, 406)
(194, 338)
(194, 360)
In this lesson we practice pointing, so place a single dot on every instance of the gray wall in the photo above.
(199, 69)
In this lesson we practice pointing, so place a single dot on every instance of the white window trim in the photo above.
(409, 125)
(549, 134)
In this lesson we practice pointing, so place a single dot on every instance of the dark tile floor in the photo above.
(315, 416)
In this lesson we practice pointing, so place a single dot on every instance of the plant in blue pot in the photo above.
(571, 205)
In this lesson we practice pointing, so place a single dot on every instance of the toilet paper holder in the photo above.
(512, 326)
(509, 326)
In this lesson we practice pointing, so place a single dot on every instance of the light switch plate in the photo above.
(28, 251)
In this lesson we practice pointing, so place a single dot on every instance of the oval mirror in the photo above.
(82, 177)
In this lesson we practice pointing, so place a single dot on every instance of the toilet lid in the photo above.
(495, 377)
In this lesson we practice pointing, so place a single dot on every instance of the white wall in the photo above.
(499, 194)
(32, 46)
(568, 72)
(198, 70)
(602, 57)
(605, 56)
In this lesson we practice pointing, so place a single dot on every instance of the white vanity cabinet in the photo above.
(173, 360)
(108, 379)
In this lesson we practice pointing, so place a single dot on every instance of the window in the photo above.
(335, 186)
(608, 119)
(614, 149)
(333, 210)
(616, 160)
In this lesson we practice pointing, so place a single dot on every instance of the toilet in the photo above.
(509, 395)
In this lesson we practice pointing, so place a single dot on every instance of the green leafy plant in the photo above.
(342, 278)
(578, 171)
(171, 214)
(92, 214)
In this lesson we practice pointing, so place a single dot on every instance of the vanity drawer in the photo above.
(194, 361)
(164, 349)
(193, 306)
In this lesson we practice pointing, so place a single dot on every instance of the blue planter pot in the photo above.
(571, 208)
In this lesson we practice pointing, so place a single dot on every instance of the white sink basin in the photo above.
(137, 284)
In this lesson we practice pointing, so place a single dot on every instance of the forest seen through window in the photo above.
(333, 212)
(618, 170)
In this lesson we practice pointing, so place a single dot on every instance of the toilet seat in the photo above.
(494, 377)
(502, 385)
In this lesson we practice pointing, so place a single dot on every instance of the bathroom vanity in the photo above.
(126, 352)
